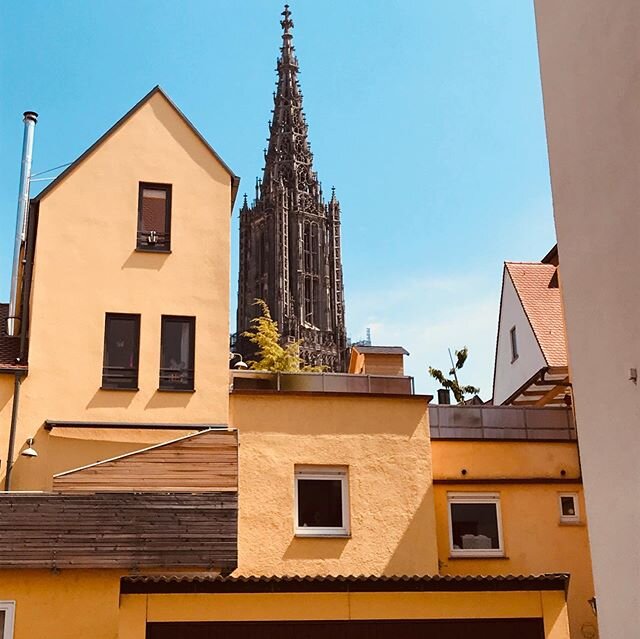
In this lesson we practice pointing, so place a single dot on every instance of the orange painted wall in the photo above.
(92, 213)
(535, 541)
(384, 444)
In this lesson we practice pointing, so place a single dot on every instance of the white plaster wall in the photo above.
(511, 376)
(590, 64)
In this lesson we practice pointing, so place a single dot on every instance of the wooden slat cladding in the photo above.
(206, 461)
(112, 530)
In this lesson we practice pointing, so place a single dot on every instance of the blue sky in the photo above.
(425, 115)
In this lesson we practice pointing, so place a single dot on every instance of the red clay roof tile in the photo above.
(543, 305)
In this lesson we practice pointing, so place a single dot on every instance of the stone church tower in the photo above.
(290, 237)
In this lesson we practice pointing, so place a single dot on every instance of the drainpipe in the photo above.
(12, 431)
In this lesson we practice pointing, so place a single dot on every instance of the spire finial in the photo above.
(287, 23)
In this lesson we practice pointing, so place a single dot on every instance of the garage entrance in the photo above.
(374, 629)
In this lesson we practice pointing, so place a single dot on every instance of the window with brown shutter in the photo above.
(154, 217)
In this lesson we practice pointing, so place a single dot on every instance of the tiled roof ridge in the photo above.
(544, 264)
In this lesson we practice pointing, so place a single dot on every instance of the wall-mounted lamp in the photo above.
(30, 451)
(594, 607)
(239, 365)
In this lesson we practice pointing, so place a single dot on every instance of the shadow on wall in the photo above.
(146, 260)
(315, 548)
(330, 415)
(111, 399)
(6, 394)
(58, 453)
(168, 399)
(417, 551)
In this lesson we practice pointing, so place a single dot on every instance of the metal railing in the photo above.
(176, 378)
(153, 240)
(501, 422)
(119, 377)
(321, 383)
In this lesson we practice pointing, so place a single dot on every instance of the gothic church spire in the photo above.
(290, 252)
(288, 158)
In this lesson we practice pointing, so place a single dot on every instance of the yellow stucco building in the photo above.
(169, 498)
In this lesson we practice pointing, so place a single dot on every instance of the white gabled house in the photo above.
(531, 352)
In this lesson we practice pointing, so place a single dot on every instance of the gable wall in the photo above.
(509, 376)
(86, 265)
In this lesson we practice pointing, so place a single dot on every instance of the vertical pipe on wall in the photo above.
(30, 119)
(12, 430)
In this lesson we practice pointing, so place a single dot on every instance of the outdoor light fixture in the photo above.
(30, 451)
(594, 607)
(240, 365)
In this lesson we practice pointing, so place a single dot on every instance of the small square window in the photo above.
(177, 353)
(321, 501)
(474, 525)
(569, 511)
(121, 351)
(514, 344)
(154, 217)
(7, 615)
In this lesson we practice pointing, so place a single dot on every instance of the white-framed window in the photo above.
(475, 528)
(514, 344)
(321, 501)
(569, 507)
(7, 616)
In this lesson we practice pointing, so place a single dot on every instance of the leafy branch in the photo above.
(453, 384)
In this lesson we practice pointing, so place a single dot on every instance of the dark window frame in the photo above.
(111, 373)
(164, 243)
(176, 380)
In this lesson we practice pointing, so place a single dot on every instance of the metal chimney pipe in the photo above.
(30, 119)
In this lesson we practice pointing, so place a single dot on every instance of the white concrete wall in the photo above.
(509, 376)
(590, 63)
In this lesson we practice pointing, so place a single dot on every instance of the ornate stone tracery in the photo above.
(290, 237)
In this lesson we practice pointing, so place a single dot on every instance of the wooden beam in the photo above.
(557, 370)
(549, 396)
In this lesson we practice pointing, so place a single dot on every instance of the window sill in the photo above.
(474, 557)
(126, 390)
(176, 390)
(299, 535)
(142, 249)
(571, 523)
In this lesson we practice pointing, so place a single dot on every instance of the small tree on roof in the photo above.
(271, 355)
(454, 385)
